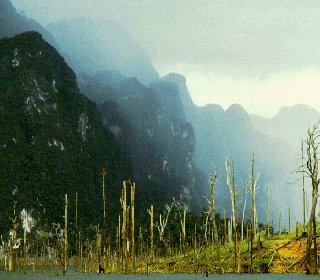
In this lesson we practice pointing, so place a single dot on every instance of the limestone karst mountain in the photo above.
(52, 139)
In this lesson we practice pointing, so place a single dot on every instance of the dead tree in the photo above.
(254, 220)
(104, 240)
(231, 185)
(14, 242)
(310, 167)
(161, 226)
(289, 220)
(125, 228)
(65, 247)
(212, 214)
(77, 247)
(133, 250)
(27, 224)
(150, 211)
(225, 228)
(303, 190)
(98, 249)
(182, 215)
(247, 190)
(268, 212)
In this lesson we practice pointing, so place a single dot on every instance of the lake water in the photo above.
(74, 276)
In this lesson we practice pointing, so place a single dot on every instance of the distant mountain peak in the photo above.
(185, 96)
(213, 107)
(295, 110)
(237, 109)
(175, 77)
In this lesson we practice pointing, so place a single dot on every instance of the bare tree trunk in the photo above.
(231, 185)
(12, 260)
(98, 249)
(268, 212)
(230, 230)
(289, 220)
(247, 189)
(13, 241)
(77, 236)
(150, 211)
(183, 227)
(25, 252)
(303, 191)
(212, 213)
(243, 218)
(225, 229)
(125, 240)
(195, 237)
(103, 173)
(120, 257)
(253, 193)
(312, 255)
(310, 166)
(65, 248)
(133, 250)
(206, 231)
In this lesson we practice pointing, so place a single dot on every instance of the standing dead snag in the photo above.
(310, 167)
(254, 220)
(103, 173)
(268, 212)
(289, 220)
(65, 243)
(77, 247)
(231, 185)
(212, 214)
(98, 249)
(27, 224)
(119, 240)
(14, 242)
(125, 229)
(150, 211)
(303, 190)
(163, 221)
(133, 253)
(247, 187)
(183, 224)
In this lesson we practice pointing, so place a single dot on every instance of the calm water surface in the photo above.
(70, 276)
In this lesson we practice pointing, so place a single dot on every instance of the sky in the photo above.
(260, 54)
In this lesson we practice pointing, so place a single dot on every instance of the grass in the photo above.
(284, 260)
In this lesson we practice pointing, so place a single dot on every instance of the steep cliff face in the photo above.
(231, 133)
(150, 122)
(52, 141)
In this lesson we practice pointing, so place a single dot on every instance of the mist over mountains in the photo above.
(143, 127)
(289, 125)
(96, 45)
(12, 23)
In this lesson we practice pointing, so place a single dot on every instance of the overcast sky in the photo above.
(262, 54)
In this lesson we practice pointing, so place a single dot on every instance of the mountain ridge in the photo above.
(13, 23)
(53, 141)
(105, 45)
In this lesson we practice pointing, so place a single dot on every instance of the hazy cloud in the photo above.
(241, 40)
(236, 37)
